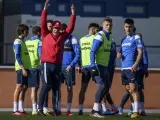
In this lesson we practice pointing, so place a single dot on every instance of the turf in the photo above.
(8, 116)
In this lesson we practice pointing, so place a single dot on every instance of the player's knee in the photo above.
(127, 88)
(19, 88)
(132, 90)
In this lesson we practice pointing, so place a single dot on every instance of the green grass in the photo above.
(8, 116)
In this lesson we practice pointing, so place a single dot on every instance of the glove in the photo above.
(94, 72)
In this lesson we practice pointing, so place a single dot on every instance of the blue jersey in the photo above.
(71, 54)
(129, 46)
(143, 65)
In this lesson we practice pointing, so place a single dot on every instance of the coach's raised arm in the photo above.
(71, 26)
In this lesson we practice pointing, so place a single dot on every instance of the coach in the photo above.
(52, 53)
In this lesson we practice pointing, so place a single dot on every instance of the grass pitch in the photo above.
(8, 116)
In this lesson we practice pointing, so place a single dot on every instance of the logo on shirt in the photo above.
(126, 44)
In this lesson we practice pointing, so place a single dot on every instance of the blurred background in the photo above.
(145, 13)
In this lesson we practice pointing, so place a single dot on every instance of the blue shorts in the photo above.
(23, 80)
(140, 78)
(68, 77)
(128, 77)
(34, 78)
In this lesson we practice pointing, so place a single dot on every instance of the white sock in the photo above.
(135, 107)
(142, 106)
(21, 106)
(132, 106)
(15, 106)
(96, 107)
(34, 106)
(113, 106)
(104, 108)
(69, 106)
(59, 106)
(45, 109)
(81, 107)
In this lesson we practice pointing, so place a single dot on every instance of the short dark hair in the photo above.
(93, 25)
(108, 19)
(35, 30)
(63, 26)
(134, 30)
(100, 28)
(49, 21)
(129, 21)
(21, 28)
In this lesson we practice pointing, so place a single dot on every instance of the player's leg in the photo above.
(45, 105)
(133, 91)
(140, 79)
(86, 76)
(21, 100)
(70, 82)
(127, 95)
(33, 82)
(46, 82)
(101, 91)
(55, 83)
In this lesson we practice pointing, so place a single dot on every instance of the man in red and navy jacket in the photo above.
(52, 54)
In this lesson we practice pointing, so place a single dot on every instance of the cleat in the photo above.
(17, 114)
(130, 113)
(143, 113)
(107, 112)
(115, 111)
(80, 112)
(135, 115)
(69, 113)
(120, 111)
(40, 113)
(34, 113)
(23, 113)
(58, 112)
(96, 114)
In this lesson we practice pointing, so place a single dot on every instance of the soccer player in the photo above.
(71, 57)
(100, 55)
(51, 57)
(110, 70)
(131, 54)
(85, 48)
(34, 50)
(22, 64)
(142, 70)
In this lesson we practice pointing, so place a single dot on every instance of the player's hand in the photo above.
(119, 55)
(69, 68)
(134, 68)
(24, 72)
(78, 70)
(46, 5)
(94, 71)
(73, 9)
(146, 74)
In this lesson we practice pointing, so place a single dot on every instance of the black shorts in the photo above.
(140, 78)
(86, 74)
(23, 80)
(68, 77)
(34, 78)
(128, 77)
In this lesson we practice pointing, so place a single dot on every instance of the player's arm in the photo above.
(140, 52)
(76, 49)
(43, 21)
(97, 42)
(39, 49)
(17, 48)
(71, 26)
(145, 62)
